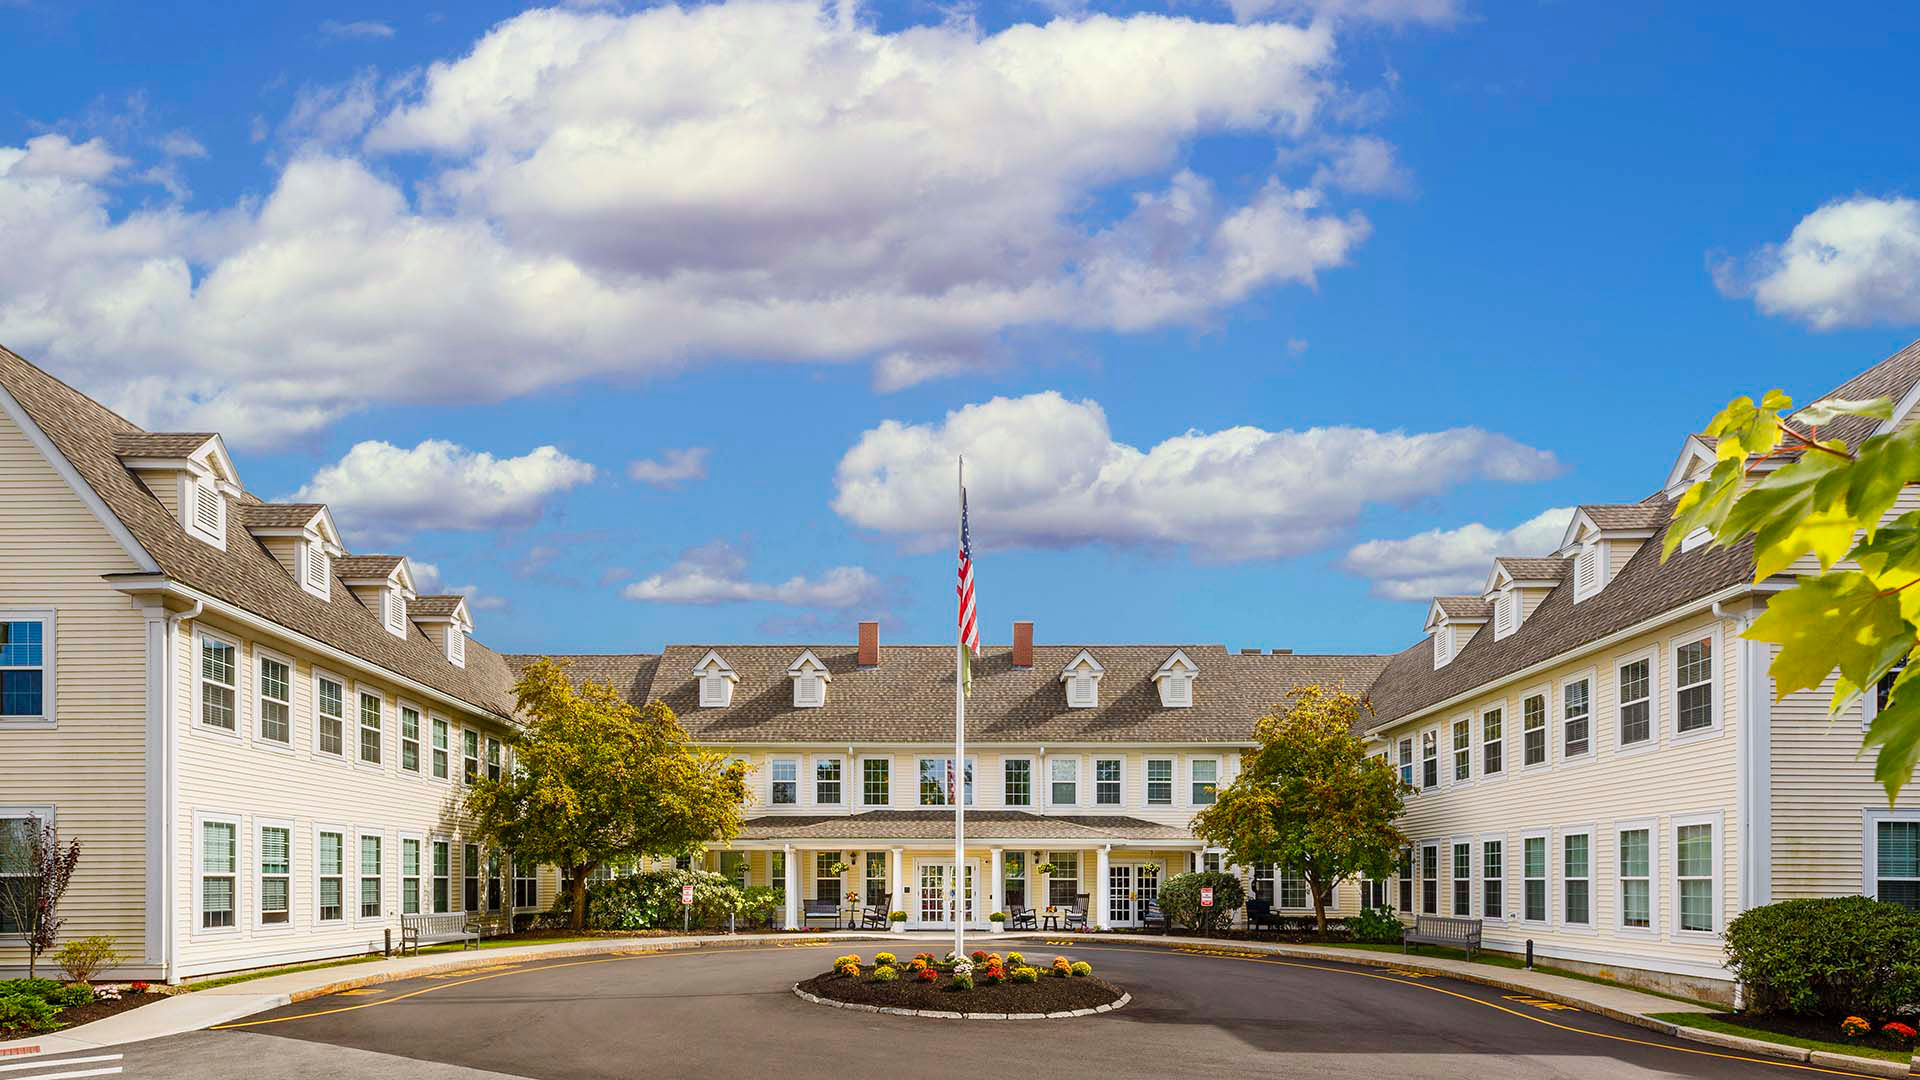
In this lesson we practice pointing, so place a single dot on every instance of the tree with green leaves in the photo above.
(1796, 495)
(37, 872)
(1309, 800)
(597, 778)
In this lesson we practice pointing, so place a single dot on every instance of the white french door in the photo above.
(936, 877)
(1129, 887)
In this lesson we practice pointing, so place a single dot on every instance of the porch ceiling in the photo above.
(983, 826)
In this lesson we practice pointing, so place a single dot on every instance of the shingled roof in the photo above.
(1528, 569)
(1892, 378)
(1463, 607)
(365, 567)
(1628, 516)
(87, 434)
(159, 444)
(908, 696)
(982, 825)
(258, 515)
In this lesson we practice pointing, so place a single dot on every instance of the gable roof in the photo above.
(258, 515)
(365, 567)
(1464, 608)
(434, 606)
(1895, 378)
(908, 696)
(85, 433)
(1625, 516)
(1529, 569)
(160, 444)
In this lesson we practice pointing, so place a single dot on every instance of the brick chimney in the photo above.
(869, 644)
(1023, 644)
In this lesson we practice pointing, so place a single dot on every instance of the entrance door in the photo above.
(1120, 894)
(936, 877)
(1146, 884)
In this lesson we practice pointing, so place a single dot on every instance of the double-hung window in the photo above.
(1533, 870)
(1429, 760)
(217, 682)
(1462, 750)
(526, 880)
(1576, 718)
(1106, 781)
(442, 876)
(1493, 756)
(1159, 781)
(1493, 879)
(785, 776)
(1576, 878)
(276, 701)
(440, 748)
(469, 754)
(826, 781)
(219, 873)
(1636, 878)
(1063, 885)
(494, 890)
(409, 876)
(470, 877)
(1693, 875)
(1693, 686)
(369, 728)
(330, 697)
(1430, 879)
(1293, 890)
(1016, 880)
(493, 759)
(1636, 702)
(1406, 880)
(1896, 860)
(1205, 780)
(1017, 773)
(826, 883)
(876, 781)
(329, 861)
(276, 875)
(1406, 761)
(876, 867)
(1065, 772)
(409, 738)
(26, 669)
(1533, 730)
(1463, 879)
(369, 877)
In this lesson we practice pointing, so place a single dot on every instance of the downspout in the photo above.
(170, 792)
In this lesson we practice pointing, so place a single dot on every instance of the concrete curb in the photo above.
(943, 1014)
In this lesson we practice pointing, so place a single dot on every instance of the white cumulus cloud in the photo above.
(1447, 562)
(1044, 471)
(1852, 262)
(381, 491)
(428, 581)
(716, 573)
(621, 194)
(359, 28)
(672, 468)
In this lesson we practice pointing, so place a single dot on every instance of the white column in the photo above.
(793, 888)
(897, 878)
(996, 867)
(1100, 889)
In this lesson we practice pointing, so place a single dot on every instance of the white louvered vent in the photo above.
(396, 612)
(715, 691)
(1503, 614)
(1179, 692)
(1081, 693)
(456, 646)
(807, 692)
(1586, 572)
(209, 511)
(319, 570)
(1442, 646)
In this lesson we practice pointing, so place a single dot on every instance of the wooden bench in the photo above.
(822, 909)
(418, 930)
(1456, 933)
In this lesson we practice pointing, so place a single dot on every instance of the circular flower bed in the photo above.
(981, 983)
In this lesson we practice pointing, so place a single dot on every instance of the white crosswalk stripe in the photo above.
(60, 1068)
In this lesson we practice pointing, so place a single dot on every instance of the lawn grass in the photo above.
(1511, 963)
(486, 943)
(1714, 1023)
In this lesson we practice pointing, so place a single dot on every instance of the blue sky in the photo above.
(1412, 272)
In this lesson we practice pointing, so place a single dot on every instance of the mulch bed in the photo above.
(1050, 994)
(1814, 1027)
(82, 1014)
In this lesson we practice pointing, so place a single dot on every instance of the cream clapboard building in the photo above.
(259, 738)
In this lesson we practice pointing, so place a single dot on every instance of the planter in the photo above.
(996, 928)
(899, 928)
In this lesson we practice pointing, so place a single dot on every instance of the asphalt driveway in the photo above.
(728, 1012)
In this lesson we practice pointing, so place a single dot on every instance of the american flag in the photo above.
(969, 623)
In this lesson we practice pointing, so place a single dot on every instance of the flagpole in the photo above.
(960, 761)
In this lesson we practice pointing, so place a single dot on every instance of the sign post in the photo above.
(686, 908)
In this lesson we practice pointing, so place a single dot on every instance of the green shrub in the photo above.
(28, 1012)
(961, 982)
(1180, 899)
(1827, 957)
(758, 904)
(885, 973)
(897, 916)
(66, 997)
(1023, 974)
(651, 901)
(1082, 968)
(885, 959)
(1015, 960)
(1376, 926)
(998, 916)
(83, 958)
(39, 988)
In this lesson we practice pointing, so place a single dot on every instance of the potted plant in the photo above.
(997, 922)
(899, 921)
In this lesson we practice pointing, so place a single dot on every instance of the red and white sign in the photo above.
(1206, 896)
(686, 895)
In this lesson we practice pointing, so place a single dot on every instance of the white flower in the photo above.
(962, 967)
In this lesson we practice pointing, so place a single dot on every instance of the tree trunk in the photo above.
(1319, 904)
(577, 889)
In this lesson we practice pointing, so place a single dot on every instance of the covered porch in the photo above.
(903, 861)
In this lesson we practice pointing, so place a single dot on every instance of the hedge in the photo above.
(1179, 897)
(1830, 957)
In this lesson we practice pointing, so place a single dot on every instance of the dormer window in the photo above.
(716, 681)
(1175, 681)
(1082, 679)
(810, 678)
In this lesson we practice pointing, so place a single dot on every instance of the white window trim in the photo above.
(1719, 658)
(1033, 781)
(1420, 879)
(202, 818)
(1557, 717)
(1518, 858)
(261, 927)
(813, 779)
(453, 750)
(191, 488)
(885, 759)
(393, 611)
(354, 715)
(1870, 819)
(428, 877)
(423, 874)
(388, 862)
(1544, 692)
(456, 645)
(1078, 771)
(1506, 732)
(422, 740)
(310, 551)
(256, 697)
(348, 897)
(1673, 872)
(1453, 754)
(1219, 778)
(46, 813)
(1173, 781)
(1122, 782)
(479, 756)
(1651, 655)
(349, 722)
(1652, 827)
(1420, 762)
(1506, 863)
(240, 663)
(799, 781)
(1473, 881)
(1558, 856)
(49, 682)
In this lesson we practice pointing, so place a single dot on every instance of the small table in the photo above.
(1050, 921)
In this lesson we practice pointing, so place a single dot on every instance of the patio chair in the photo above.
(1153, 916)
(1259, 914)
(1022, 919)
(1076, 916)
(874, 918)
